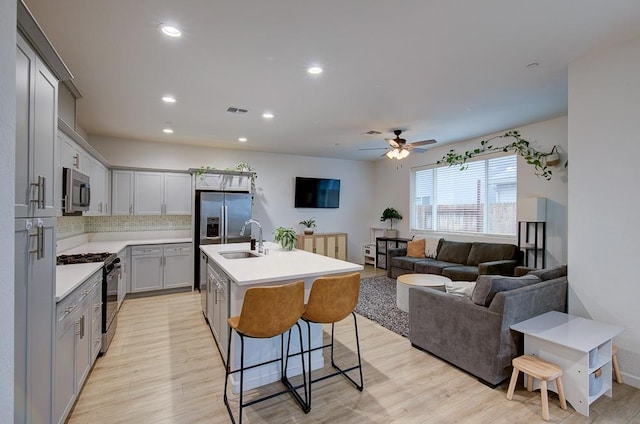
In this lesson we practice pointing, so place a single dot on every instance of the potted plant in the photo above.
(286, 237)
(391, 214)
(309, 225)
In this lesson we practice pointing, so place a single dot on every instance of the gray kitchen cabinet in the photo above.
(73, 156)
(36, 122)
(156, 267)
(178, 269)
(99, 177)
(35, 235)
(218, 307)
(122, 196)
(78, 326)
(151, 193)
(146, 268)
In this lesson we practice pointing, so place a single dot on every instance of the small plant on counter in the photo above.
(286, 237)
(309, 225)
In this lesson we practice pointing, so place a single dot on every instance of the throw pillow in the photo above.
(488, 285)
(415, 248)
(460, 288)
(431, 246)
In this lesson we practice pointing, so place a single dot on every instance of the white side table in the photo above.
(406, 281)
(566, 341)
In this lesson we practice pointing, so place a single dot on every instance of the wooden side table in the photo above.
(566, 340)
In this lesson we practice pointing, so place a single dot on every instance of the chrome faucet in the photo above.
(253, 221)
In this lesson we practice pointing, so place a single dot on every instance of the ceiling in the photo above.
(434, 68)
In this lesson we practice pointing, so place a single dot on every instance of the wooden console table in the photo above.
(333, 245)
(566, 340)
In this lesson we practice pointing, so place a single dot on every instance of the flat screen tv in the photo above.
(317, 193)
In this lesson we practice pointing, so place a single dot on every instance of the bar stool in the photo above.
(614, 362)
(268, 312)
(331, 300)
(534, 367)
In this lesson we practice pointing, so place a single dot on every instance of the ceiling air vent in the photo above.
(236, 110)
(373, 132)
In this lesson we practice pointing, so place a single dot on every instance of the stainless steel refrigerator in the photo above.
(219, 219)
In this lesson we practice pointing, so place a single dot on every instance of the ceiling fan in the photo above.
(399, 148)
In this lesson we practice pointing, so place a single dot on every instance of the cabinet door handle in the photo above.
(76, 161)
(100, 207)
(82, 322)
(41, 186)
(77, 330)
(130, 209)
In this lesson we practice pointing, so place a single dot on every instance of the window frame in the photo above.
(485, 158)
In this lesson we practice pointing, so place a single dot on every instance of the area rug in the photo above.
(378, 303)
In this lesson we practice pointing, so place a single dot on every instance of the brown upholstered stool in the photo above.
(614, 362)
(534, 367)
(268, 312)
(331, 300)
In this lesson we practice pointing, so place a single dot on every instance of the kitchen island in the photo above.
(275, 267)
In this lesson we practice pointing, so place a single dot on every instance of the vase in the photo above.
(308, 231)
(391, 233)
(287, 244)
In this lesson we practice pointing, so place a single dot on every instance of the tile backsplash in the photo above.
(70, 226)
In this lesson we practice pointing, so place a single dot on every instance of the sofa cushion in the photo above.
(488, 285)
(415, 248)
(550, 273)
(405, 262)
(431, 266)
(454, 251)
(488, 252)
(461, 273)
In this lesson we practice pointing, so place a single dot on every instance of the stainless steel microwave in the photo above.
(76, 192)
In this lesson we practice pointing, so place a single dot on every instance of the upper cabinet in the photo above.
(99, 178)
(36, 121)
(224, 181)
(151, 193)
(73, 156)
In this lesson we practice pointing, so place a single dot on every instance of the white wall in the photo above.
(273, 206)
(7, 194)
(604, 128)
(392, 185)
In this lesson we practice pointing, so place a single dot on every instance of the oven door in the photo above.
(110, 304)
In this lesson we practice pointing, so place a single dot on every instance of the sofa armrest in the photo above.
(456, 330)
(505, 267)
(391, 253)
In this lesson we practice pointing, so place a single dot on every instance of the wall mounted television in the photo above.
(317, 193)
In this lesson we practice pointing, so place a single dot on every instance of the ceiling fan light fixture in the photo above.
(403, 154)
(391, 154)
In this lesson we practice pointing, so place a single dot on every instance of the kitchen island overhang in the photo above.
(276, 267)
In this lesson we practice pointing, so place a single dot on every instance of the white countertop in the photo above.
(68, 277)
(278, 265)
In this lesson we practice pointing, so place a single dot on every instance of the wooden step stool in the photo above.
(534, 367)
(614, 361)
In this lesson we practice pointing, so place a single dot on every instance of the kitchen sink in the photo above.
(238, 255)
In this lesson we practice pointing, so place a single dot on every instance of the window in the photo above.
(481, 199)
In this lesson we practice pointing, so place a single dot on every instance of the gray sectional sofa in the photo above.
(459, 261)
(474, 334)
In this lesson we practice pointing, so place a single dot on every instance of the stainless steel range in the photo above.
(110, 275)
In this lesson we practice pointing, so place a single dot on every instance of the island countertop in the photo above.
(277, 265)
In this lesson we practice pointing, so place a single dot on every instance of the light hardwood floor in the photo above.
(163, 367)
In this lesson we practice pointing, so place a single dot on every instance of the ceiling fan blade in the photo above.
(419, 150)
(376, 148)
(393, 142)
(423, 142)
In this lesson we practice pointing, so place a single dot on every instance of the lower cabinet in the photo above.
(333, 245)
(156, 267)
(125, 273)
(218, 307)
(76, 350)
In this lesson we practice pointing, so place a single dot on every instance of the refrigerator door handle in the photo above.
(223, 215)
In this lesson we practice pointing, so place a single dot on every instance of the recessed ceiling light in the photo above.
(170, 30)
(314, 70)
(167, 131)
(267, 115)
(169, 99)
(242, 139)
